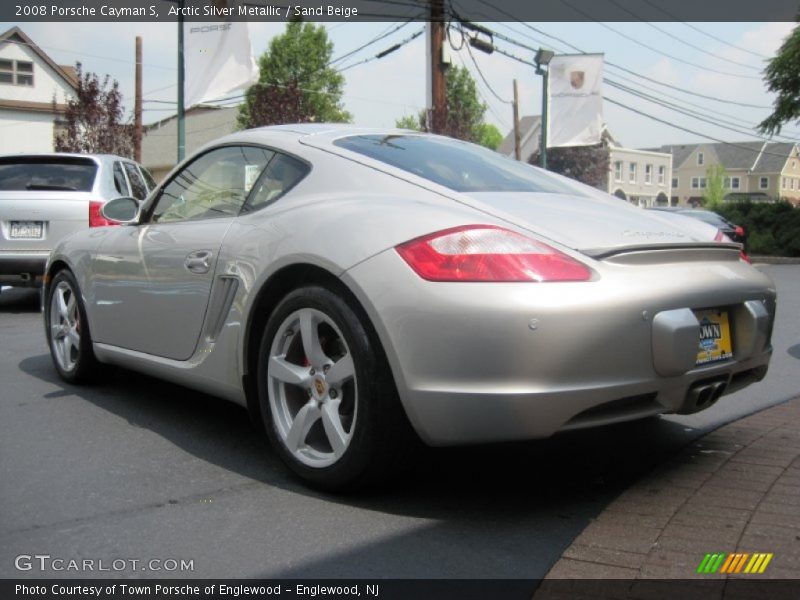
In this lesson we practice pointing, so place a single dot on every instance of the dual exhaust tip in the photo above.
(703, 394)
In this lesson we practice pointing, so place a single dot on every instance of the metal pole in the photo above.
(137, 105)
(181, 76)
(517, 149)
(543, 144)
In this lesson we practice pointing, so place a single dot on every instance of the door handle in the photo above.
(198, 262)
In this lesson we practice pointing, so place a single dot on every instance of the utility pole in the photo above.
(517, 149)
(137, 105)
(438, 93)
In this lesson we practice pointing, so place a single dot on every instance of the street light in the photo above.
(542, 59)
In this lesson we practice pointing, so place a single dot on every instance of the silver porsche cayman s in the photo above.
(359, 290)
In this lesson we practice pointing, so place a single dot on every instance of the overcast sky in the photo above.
(380, 91)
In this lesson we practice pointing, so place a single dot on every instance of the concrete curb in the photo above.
(776, 260)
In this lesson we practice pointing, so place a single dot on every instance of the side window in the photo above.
(120, 183)
(151, 183)
(281, 175)
(138, 186)
(215, 184)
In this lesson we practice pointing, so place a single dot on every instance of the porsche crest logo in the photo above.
(577, 79)
(320, 387)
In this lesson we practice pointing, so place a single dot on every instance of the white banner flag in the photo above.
(576, 100)
(218, 59)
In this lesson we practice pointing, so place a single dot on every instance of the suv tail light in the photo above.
(488, 253)
(740, 231)
(724, 239)
(96, 218)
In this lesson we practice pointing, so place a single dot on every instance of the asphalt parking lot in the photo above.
(135, 468)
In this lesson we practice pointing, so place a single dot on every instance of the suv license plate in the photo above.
(26, 230)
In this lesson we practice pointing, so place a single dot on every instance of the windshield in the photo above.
(74, 174)
(454, 164)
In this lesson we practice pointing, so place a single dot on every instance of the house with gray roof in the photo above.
(754, 170)
(641, 177)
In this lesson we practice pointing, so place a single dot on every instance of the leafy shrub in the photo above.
(772, 229)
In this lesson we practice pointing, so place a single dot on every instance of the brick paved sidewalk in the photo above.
(736, 490)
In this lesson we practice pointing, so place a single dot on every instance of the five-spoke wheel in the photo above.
(68, 329)
(326, 395)
(312, 387)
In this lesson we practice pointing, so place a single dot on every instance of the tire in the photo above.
(67, 330)
(327, 398)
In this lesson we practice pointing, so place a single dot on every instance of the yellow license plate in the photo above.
(715, 342)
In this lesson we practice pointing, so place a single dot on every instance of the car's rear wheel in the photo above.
(327, 399)
(68, 330)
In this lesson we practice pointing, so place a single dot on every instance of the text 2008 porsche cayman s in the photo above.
(359, 290)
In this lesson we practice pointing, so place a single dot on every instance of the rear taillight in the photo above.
(488, 253)
(96, 218)
(739, 231)
(724, 239)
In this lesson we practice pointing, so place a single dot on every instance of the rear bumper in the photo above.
(492, 362)
(23, 269)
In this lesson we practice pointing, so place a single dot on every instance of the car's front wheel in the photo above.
(68, 330)
(327, 399)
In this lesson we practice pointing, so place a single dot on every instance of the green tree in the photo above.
(489, 136)
(94, 118)
(464, 111)
(296, 83)
(782, 76)
(415, 123)
(714, 193)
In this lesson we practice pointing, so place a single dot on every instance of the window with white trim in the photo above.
(618, 170)
(698, 183)
(675, 182)
(648, 174)
(785, 183)
(701, 159)
(662, 173)
(763, 183)
(632, 172)
(16, 72)
(735, 183)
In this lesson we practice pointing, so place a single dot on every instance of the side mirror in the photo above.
(122, 210)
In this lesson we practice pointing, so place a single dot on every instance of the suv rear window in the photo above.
(57, 173)
(454, 164)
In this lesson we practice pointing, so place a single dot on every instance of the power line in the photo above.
(386, 52)
(654, 49)
(681, 40)
(500, 119)
(705, 33)
(75, 52)
(376, 39)
(630, 71)
(686, 129)
(491, 89)
(665, 122)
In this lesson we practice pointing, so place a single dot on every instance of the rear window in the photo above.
(47, 173)
(457, 165)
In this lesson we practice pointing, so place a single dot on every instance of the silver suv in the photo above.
(45, 197)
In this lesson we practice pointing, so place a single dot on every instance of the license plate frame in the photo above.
(716, 339)
(26, 230)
